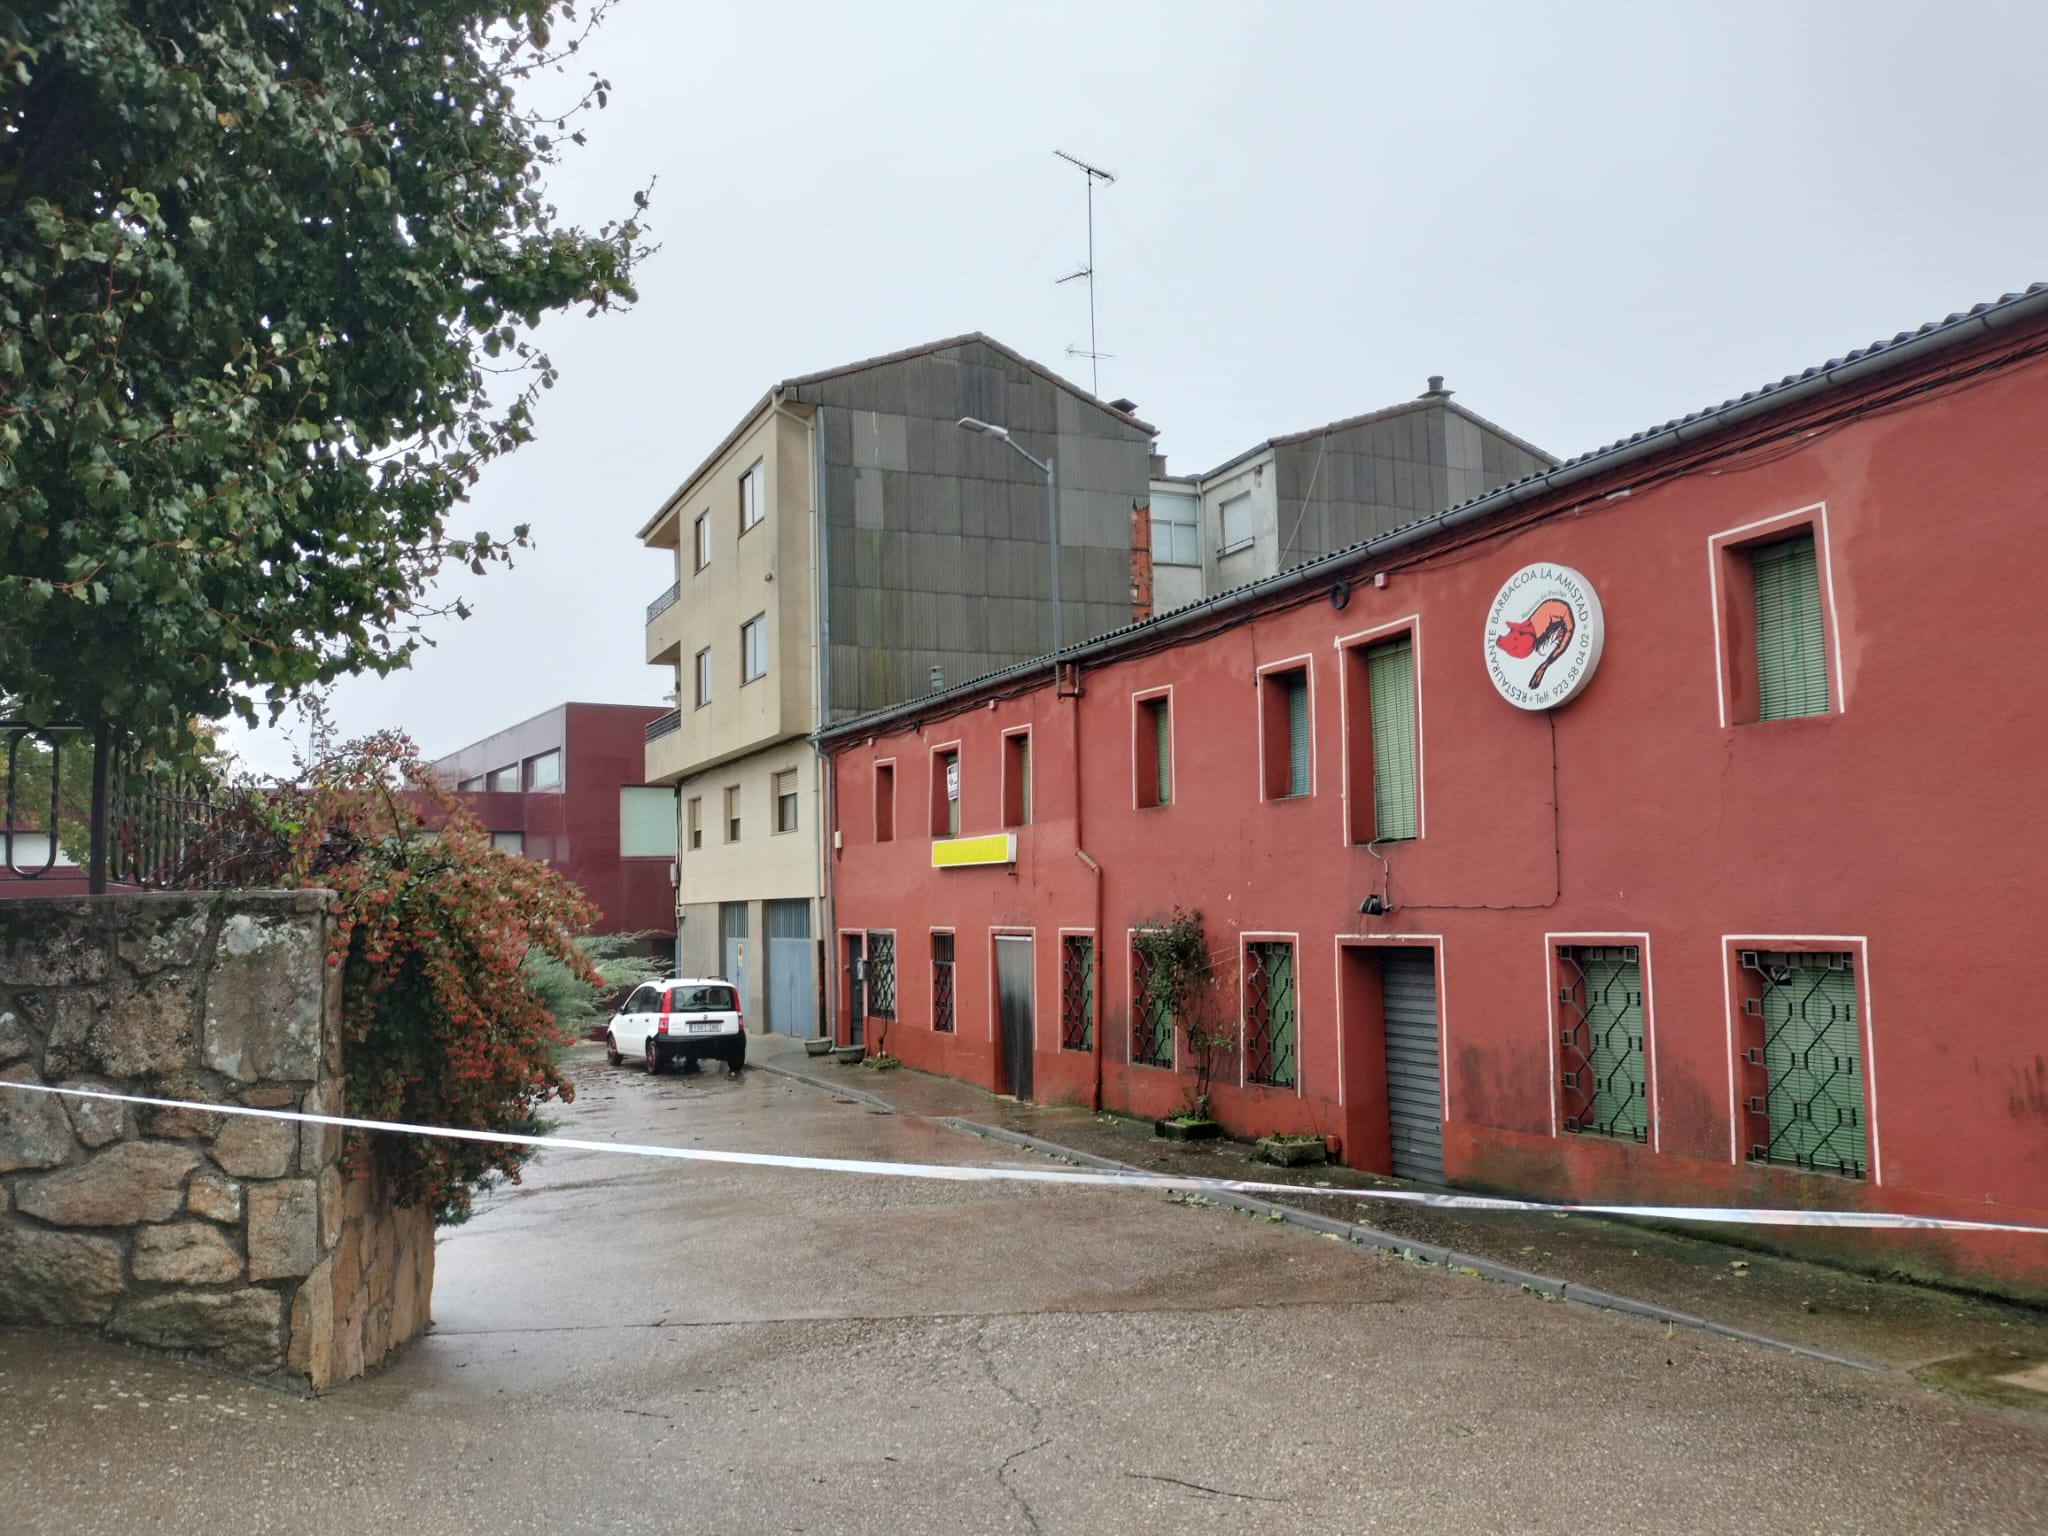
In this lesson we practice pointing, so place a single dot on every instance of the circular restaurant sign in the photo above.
(1543, 636)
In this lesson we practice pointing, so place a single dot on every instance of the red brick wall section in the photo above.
(1141, 561)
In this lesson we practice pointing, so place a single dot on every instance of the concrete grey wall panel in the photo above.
(867, 499)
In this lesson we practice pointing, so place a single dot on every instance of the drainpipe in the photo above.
(1094, 868)
(821, 684)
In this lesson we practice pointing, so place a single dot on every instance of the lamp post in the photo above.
(1052, 522)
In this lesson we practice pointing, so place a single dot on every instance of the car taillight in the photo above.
(661, 1027)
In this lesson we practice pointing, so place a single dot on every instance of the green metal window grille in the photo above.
(881, 975)
(942, 983)
(1297, 733)
(1151, 1019)
(1791, 643)
(1390, 679)
(1269, 1014)
(1162, 751)
(1803, 1008)
(1077, 993)
(1600, 1041)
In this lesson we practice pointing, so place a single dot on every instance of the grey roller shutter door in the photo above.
(1414, 1081)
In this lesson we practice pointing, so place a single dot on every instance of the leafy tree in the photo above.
(269, 275)
(440, 936)
(578, 1001)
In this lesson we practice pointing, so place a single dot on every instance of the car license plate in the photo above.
(703, 1026)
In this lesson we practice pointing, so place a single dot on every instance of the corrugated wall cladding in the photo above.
(944, 564)
(1346, 486)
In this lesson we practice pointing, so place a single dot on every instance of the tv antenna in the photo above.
(1091, 174)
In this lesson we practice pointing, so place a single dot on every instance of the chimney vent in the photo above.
(1436, 390)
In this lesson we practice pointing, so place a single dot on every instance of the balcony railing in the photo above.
(663, 603)
(661, 725)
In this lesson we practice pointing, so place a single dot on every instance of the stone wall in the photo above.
(237, 1239)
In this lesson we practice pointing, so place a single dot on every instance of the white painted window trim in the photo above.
(1139, 699)
(1802, 943)
(1551, 943)
(1130, 969)
(1031, 807)
(1245, 939)
(936, 788)
(1359, 640)
(1760, 531)
(1304, 663)
(1344, 941)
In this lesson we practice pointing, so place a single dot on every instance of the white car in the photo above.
(686, 1018)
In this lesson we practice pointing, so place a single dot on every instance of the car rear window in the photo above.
(703, 1000)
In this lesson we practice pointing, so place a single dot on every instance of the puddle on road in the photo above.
(2009, 1378)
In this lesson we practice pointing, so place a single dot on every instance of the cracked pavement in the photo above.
(629, 1345)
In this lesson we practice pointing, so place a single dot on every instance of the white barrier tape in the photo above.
(1020, 1173)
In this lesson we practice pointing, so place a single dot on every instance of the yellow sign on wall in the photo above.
(966, 852)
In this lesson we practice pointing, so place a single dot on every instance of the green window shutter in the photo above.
(1390, 678)
(1812, 1048)
(1297, 733)
(1163, 749)
(1269, 1011)
(1791, 643)
(1024, 779)
(952, 763)
(1613, 1013)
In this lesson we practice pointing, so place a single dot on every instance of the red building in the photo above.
(566, 787)
(1659, 828)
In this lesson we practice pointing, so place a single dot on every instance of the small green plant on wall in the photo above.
(1183, 981)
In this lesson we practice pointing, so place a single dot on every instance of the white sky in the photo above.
(1589, 217)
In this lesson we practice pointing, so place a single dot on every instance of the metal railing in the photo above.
(663, 603)
(76, 803)
(662, 724)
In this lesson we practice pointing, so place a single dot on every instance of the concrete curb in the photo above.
(1430, 1253)
(824, 1085)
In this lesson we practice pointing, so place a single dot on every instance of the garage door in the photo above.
(792, 988)
(1414, 1075)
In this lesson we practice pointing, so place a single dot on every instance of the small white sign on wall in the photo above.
(1544, 635)
(953, 780)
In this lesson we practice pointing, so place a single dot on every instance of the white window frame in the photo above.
(1226, 545)
(794, 794)
(754, 649)
(1191, 527)
(753, 495)
(702, 551)
(704, 676)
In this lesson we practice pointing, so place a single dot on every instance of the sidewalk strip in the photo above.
(1448, 1258)
(1114, 1177)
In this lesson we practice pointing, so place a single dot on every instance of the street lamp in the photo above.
(1052, 522)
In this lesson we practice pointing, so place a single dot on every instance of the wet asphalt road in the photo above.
(630, 1345)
